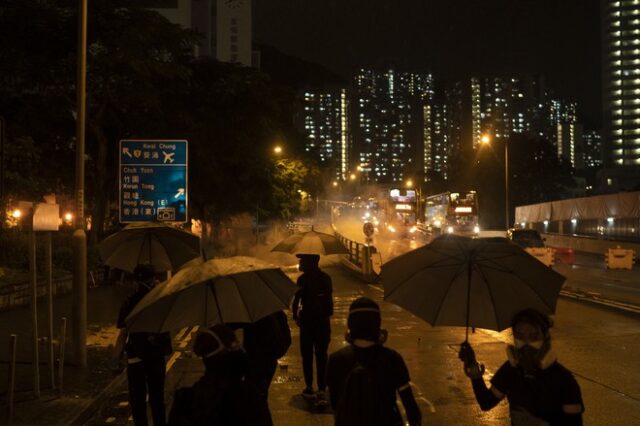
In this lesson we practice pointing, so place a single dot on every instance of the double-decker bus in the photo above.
(401, 206)
(453, 213)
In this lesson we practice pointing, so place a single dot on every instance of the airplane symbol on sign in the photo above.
(126, 152)
(168, 157)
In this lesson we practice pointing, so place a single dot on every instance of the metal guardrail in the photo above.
(359, 258)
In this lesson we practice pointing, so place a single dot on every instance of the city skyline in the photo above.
(451, 39)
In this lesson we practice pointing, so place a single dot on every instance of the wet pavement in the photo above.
(601, 347)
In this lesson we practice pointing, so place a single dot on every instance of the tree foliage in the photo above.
(143, 82)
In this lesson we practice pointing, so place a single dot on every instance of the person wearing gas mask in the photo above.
(145, 355)
(365, 376)
(221, 396)
(539, 389)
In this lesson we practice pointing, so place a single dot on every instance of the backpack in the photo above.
(270, 336)
(359, 402)
(317, 301)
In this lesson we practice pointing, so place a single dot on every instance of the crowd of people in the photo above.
(360, 382)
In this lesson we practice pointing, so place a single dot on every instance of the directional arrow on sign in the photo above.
(180, 192)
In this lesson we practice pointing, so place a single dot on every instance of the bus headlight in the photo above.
(450, 230)
(476, 229)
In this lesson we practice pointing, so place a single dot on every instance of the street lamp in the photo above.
(277, 149)
(486, 140)
(409, 183)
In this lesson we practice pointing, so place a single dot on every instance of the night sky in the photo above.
(452, 38)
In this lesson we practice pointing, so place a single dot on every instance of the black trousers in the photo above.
(260, 372)
(315, 336)
(147, 376)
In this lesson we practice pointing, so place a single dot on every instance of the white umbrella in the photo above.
(233, 290)
(165, 247)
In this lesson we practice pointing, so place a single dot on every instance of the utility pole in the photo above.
(79, 312)
(3, 125)
(506, 183)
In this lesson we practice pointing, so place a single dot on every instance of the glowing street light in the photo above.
(485, 139)
(409, 183)
(277, 149)
(334, 183)
(16, 213)
(352, 176)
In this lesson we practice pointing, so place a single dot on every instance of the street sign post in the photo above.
(153, 181)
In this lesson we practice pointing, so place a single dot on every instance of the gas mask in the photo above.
(529, 354)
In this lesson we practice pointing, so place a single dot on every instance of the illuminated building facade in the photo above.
(563, 118)
(324, 121)
(592, 149)
(388, 123)
(621, 81)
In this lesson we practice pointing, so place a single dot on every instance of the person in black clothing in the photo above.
(221, 397)
(540, 390)
(315, 291)
(365, 376)
(145, 356)
(265, 341)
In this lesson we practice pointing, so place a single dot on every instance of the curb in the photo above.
(79, 416)
(600, 301)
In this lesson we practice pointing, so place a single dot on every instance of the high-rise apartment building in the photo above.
(225, 26)
(621, 81)
(388, 122)
(233, 31)
(563, 118)
(592, 149)
(324, 120)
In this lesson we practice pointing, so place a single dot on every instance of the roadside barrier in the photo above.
(360, 258)
(12, 376)
(619, 258)
(565, 255)
(545, 255)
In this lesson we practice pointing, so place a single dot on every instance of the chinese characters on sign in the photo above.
(153, 181)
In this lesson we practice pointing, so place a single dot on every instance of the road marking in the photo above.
(183, 337)
(376, 287)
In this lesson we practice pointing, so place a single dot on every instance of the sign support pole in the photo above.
(49, 265)
(79, 311)
(34, 311)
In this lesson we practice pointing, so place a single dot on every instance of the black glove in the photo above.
(466, 354)
(471, 366)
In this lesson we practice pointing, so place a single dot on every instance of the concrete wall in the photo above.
(588, 245)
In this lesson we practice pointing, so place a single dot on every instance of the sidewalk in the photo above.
(80, 386)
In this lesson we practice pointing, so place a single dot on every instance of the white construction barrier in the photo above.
(545, 255)
(619, 258)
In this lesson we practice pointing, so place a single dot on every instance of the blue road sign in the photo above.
(153, 181)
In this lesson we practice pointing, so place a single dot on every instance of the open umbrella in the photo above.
(233, 290)
(165, 247)
(311, 242)
(459, 281)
